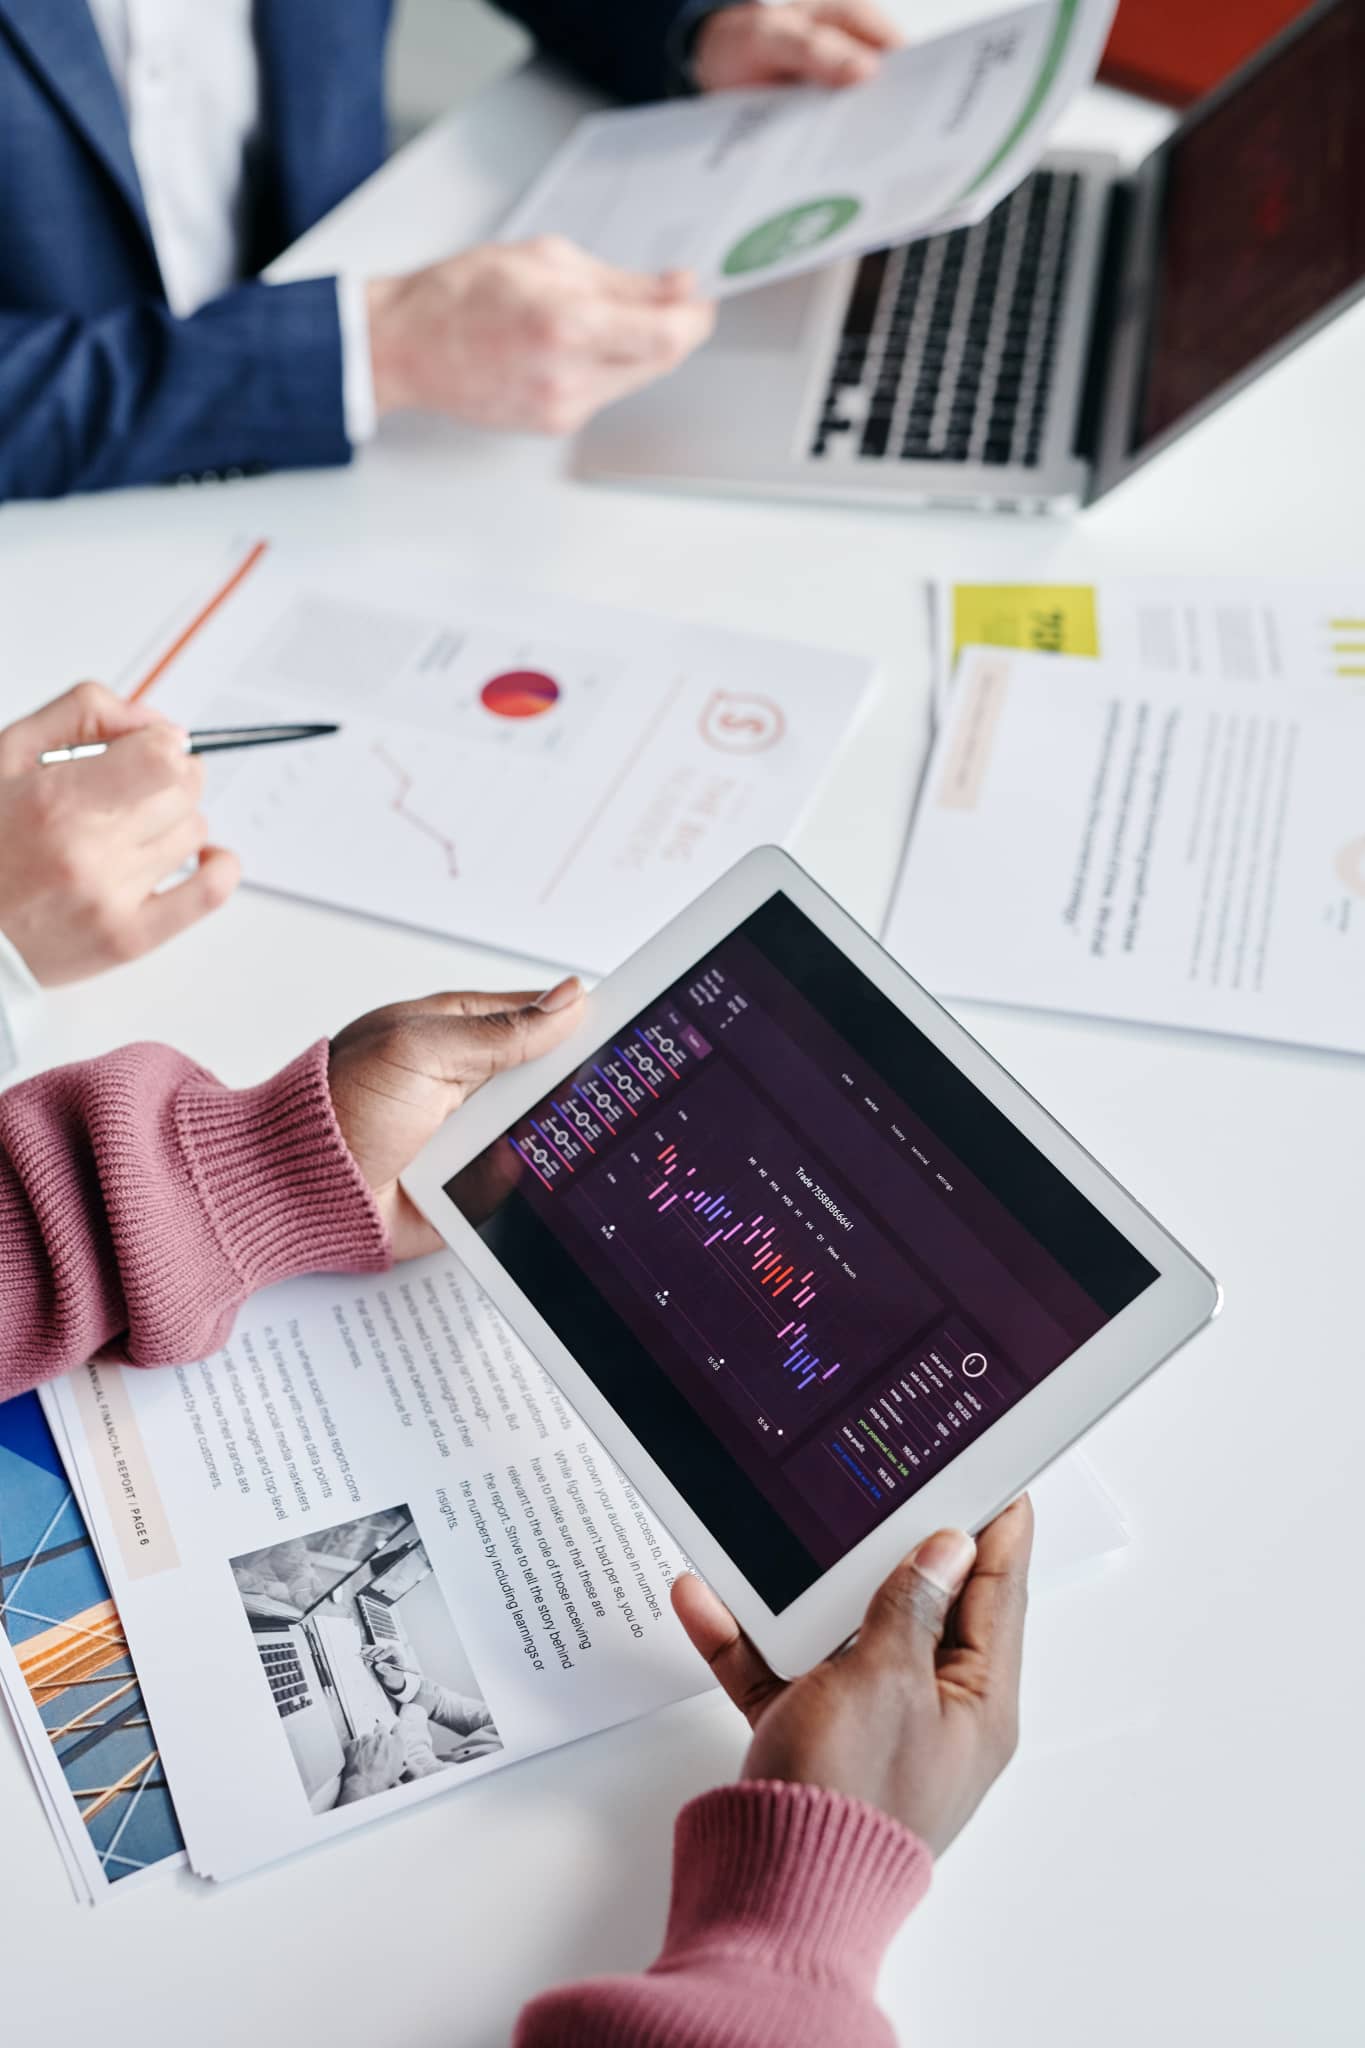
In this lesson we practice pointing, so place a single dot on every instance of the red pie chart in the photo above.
(520, 693)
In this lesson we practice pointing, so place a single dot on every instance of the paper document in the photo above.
(552, 778)
(364, 1554)
(1097, 837)
(67, 1676)
(1234, 629)
(747, 187)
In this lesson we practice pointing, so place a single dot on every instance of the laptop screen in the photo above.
(369, 1541)
(1262, 218)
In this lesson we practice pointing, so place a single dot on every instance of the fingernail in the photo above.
(945, 1558)
(561, 995)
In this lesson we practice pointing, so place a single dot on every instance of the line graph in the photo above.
(401, 808)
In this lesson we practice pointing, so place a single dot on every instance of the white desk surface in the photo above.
(1176, 1853)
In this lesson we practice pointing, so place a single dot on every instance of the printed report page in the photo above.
(1123, 844)
(552, 778)
(746, 187)
(1249, 631)
(363, 1554)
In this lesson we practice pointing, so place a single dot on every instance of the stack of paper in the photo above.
(1159, 819)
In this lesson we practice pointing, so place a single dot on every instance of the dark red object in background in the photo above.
(1174, 50)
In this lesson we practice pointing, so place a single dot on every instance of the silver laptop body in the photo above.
(1028, 363)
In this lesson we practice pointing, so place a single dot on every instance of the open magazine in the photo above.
(365, 1552)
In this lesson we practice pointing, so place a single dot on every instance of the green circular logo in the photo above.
(790, 234)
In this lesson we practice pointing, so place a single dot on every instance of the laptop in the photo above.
(299, 1691)
(1033, 361)
(311, 1659)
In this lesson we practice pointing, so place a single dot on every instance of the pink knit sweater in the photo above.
(140, 1203)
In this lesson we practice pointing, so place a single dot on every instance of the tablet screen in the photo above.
(805, 1259)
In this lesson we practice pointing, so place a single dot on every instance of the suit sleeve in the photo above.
(252, 381)
(634, 49)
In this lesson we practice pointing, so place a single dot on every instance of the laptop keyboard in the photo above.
(948, 345)
(284, 1674)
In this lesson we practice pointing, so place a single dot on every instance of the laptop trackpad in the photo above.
(774, 317)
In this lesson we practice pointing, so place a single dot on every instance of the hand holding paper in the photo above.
(745, 187)
(806, 42)
(534, 338)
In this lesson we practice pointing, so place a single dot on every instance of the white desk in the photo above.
(1175, 1855)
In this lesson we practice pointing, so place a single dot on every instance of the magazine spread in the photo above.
(364, 1553)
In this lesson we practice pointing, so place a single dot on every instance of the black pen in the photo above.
(216, 740)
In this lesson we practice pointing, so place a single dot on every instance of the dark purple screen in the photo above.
(800, 1294)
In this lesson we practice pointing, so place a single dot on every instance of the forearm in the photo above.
(254, 380)
(452, 1710)
(784, 1900)
(141, 1202)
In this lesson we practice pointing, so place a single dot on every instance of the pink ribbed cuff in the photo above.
(792, 1878)
(279, 1187)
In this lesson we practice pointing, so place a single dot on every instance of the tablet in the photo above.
(817, 1272)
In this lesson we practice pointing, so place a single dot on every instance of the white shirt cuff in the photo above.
(357, 371)
(18, 995)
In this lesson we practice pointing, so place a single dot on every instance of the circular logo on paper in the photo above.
(739, 724)
(520, 693)
(790, 234)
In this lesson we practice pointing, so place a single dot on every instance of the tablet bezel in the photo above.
(989, 1472)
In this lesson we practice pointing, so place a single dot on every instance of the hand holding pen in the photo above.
(86, 846)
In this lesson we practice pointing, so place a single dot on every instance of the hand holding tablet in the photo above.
(819, 1274)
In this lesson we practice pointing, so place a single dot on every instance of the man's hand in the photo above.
(386, 1662)
(920, 1716)
(84, 844)
(373, 1763)
(532, 337)
(397, 1074)
(806, 42)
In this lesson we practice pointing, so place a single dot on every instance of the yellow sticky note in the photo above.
(1049, 618)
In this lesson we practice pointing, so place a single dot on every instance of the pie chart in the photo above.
(520, 693)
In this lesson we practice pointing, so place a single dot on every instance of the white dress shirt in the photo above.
(189, 78)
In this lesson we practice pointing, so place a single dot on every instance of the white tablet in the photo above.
(818, 1273)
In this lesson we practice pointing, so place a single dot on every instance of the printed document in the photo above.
(747, 187)
(365, 1553)
(552, 778)
(1232, 629)
(1098, 837)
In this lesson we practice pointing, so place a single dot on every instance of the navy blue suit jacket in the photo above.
(99, 383)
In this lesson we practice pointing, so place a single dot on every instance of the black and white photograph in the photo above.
(362, 1658)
